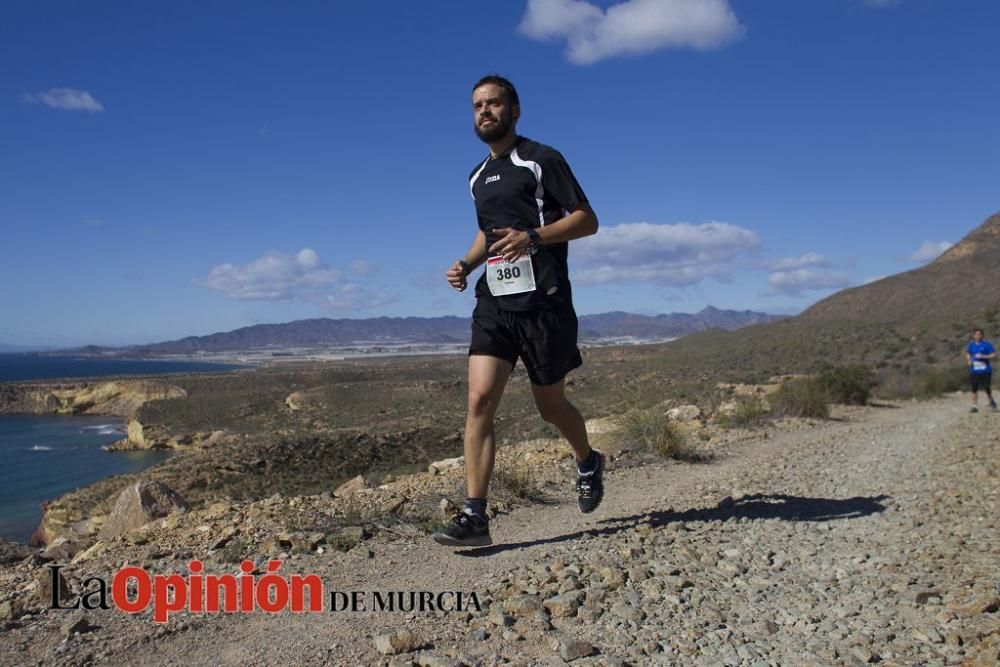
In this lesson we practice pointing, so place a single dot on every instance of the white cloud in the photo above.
(928, 251)
(352, 296)
(679, 254)
(65, 98)
(304, 276)
(630, 27)
(362, 267)
(275, 276)
(793, 276)
(789, 263)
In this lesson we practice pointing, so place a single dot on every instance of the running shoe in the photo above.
(590, 487)
(974, 409)
(993, 406)
(465, 530)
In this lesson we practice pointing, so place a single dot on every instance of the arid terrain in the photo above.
(869, 538)
(747, 522)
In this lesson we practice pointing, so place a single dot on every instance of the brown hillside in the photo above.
(959, 284)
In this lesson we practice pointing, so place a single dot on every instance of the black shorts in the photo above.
(980, 381)
(545, 340)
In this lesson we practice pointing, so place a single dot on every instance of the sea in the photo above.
(45, 456)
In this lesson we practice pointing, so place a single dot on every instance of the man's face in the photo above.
(491, 115)
(977, 336)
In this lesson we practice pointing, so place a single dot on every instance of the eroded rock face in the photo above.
(115, 397)
(139, 504)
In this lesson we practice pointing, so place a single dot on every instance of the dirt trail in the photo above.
(868, 539)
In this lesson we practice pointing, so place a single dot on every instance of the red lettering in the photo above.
(119, 589)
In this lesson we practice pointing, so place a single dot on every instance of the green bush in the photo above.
(847, 385)
(515, 480)
(923, 384)
(802, 398)
(652, 430)
(750, 411)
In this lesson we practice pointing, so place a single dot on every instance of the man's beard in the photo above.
(497, 130)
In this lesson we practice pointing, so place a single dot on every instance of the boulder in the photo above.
(351, 486)
(12, 552)
(684, 413)
(295, 400)
(438, 467)
(139, 504)
(400, 641)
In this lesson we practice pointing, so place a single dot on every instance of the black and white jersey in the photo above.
(528, 186)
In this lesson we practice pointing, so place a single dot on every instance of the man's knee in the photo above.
(481, 404)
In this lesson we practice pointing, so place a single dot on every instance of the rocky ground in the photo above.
(871, 538)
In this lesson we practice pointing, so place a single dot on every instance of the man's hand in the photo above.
(513, 244)
(457, 277)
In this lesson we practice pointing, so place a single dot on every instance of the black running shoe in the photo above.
(974, 409)
(465, 530)
(993, 405)
(590, 487)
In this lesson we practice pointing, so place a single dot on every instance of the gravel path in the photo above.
(868, 539)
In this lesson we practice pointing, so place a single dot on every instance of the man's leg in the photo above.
(487, 379)
(556, 409)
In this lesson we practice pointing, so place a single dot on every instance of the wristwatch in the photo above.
(465, 266)
(533, 235)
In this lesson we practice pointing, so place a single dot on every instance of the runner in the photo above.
(529, 206)
(978, 354)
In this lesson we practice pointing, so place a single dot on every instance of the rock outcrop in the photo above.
(139, 504)
(113, 397)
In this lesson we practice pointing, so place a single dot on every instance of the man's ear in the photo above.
(516, 111)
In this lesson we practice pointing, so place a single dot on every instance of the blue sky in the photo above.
(182, 168)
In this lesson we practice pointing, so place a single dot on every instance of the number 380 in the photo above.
(509, 273)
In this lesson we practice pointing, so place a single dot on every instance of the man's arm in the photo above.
(578, 224)
(477, 252)
(457, 275)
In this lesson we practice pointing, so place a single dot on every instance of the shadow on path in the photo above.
(757, 506)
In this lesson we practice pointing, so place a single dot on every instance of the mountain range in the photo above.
(322, 332)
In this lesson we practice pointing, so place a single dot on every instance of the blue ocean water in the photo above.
(37, 367)
(47, 456)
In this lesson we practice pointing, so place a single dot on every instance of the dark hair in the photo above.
(977, 329)
(509, 90)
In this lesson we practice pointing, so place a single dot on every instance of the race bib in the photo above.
(978, 365)
(505, 277)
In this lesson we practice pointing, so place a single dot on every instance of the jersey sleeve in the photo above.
(560, 183)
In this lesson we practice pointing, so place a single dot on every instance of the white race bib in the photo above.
(505, 277)
(978, 365)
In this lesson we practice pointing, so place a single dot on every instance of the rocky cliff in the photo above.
(114, 397)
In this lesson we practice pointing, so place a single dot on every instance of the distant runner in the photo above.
(979, 353)
(529, 206)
